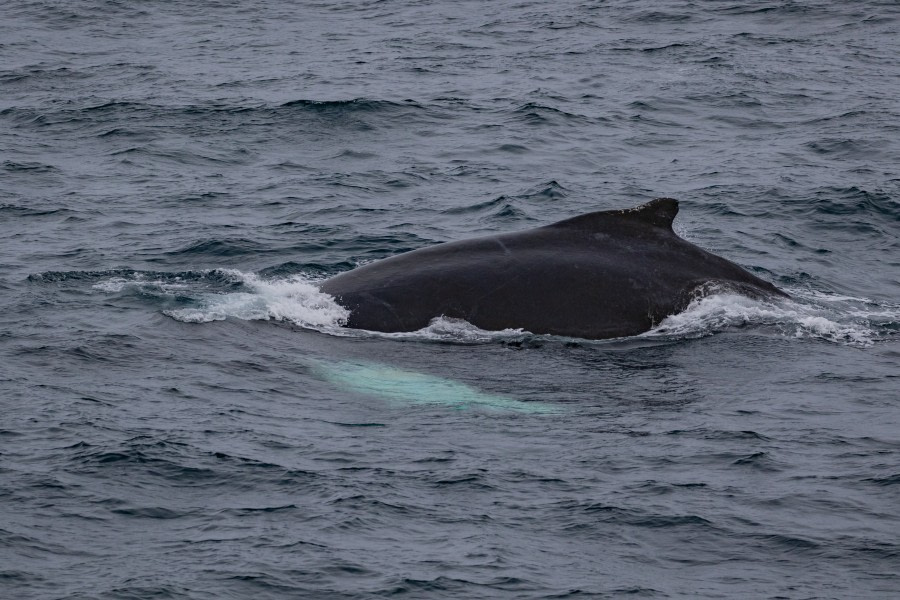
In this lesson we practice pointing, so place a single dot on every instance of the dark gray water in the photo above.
(182, 419)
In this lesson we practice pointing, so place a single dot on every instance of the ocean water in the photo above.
(183, 418)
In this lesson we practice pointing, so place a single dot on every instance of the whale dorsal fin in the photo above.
(659, 213)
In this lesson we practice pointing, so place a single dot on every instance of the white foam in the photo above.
(295, 299)
(840, 319)
(445, 329)
(114, 285)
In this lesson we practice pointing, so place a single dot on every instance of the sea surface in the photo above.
(181, 417)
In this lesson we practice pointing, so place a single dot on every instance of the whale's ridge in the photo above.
(659, 212)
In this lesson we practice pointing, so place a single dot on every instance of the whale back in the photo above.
(599, 275)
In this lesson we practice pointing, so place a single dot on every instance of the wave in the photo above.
(854, 200)
(116, 280)
(215, 247)
(845, 320)
(15, 210)
(142, 133)
(355, 105)
(533, 113)
(295, 299)
(30, 167)
(250, 113)
(657, 16)
(507, 207)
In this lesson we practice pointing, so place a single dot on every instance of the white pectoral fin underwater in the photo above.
(405, 387)
(601, 275)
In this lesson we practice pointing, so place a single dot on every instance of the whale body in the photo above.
(601, 275)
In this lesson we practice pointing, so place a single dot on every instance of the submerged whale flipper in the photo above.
(601, 275)
(404, 387)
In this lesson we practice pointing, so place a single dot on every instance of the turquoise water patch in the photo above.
(403, 387)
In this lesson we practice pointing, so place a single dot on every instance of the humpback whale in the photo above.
(600, 275)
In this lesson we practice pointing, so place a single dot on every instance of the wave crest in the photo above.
(859, 322)
(296, 299)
